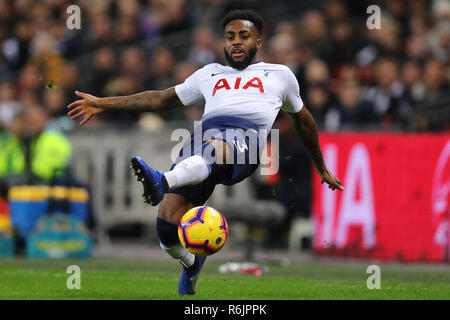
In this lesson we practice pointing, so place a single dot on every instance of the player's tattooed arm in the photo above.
(144, 101)
(89, 105)
(307, 130)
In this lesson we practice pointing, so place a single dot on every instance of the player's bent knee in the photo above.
(173, 207)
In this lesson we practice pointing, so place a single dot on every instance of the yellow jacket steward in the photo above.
(49, 152)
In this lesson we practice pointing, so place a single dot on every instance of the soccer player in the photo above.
(246, 97)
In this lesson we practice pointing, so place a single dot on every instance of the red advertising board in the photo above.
(396, 201)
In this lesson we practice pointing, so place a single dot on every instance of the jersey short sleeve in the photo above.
(292, 94)
(189, 91)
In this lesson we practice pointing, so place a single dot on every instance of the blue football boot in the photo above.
(154, 182)
(188, 280)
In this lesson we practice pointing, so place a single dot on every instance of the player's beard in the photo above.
(240, 65)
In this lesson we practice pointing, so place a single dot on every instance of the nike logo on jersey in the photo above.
(215, 74)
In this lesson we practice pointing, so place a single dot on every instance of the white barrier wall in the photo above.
(101, 159)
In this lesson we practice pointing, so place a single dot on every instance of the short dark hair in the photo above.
(249, 15)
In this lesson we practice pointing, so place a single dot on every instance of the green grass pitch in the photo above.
(115, 279)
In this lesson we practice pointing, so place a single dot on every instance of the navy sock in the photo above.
(192, 268)
(167, 232)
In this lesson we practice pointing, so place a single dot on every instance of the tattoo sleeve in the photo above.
(144, 101)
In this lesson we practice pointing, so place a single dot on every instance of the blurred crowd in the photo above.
(350, 77)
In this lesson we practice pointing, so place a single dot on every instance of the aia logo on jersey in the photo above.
(223, 84)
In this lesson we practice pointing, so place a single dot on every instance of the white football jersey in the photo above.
(256, 93)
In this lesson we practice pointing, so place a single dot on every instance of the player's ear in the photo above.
(259, 43)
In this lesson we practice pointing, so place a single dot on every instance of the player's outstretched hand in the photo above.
(331, 180)
(87, 107)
